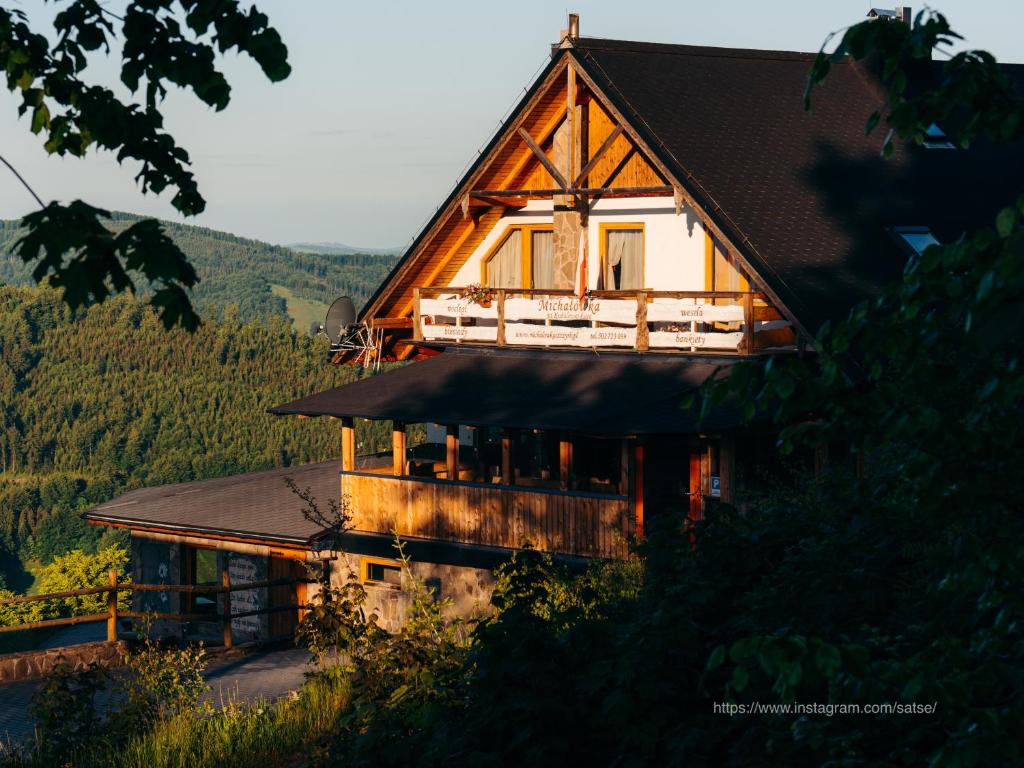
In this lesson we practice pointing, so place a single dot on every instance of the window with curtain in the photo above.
(725, 276)
(624, 259)
(542, 256)
(504, 268)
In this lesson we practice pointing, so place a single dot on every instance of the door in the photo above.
(284, 622)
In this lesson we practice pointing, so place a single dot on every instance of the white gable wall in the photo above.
(673, 245)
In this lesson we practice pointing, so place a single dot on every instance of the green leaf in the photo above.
(716, 659)
(1006, 222)
(740, 678)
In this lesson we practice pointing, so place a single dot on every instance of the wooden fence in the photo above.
(112, 614)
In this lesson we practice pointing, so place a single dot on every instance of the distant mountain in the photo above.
(258, 278)
(340, 249)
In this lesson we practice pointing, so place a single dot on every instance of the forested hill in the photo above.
(259, 278)
(106, 400)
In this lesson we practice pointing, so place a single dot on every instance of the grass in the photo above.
(303, 312)
(288, 733)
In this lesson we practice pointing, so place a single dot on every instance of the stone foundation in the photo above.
(34, 665)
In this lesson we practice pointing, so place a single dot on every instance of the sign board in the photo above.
(716, 487)
(242, 569)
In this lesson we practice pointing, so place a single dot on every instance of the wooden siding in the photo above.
(490, 515)
(635, 171)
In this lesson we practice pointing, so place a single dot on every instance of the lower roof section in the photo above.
(580, 392)
(256, 505)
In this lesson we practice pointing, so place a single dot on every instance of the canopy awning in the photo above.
(611, 395)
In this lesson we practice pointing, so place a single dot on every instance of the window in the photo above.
(204, 573)
(935, 138)
(721, 273)
(916, 238)
(382, 573)
(622, 256)
(523, 258)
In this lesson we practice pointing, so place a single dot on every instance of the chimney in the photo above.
(574, 26)
(904, 14)
(568, 37)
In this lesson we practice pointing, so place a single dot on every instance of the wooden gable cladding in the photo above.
(621, 165)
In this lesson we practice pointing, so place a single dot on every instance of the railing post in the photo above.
(501, 317)
(348, 443)
(112, 607)
(642, 337)
(225, 580)
(417, 327)
(452, 451)
(398, 448)
(748, 323)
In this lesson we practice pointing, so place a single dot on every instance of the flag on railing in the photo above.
(581, 266)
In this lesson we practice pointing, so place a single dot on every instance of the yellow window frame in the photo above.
(364, 571)
(526, 250)
(602, 237)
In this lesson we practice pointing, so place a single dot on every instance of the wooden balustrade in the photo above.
(488, 514)
(112, 613)
(666, 321)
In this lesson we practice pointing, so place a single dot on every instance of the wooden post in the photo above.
(507, 476)
(112, 607)
(452, 452)
(638, 489)
(398, 448)
(565, 462)
(501, 317)
(748, 323)
(417, 326)
(642, 337)
(225, 580)
(727, 467)
(348, 444)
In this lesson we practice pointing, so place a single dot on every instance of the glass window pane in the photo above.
(542, 251)
(624, 259)
(504, 268)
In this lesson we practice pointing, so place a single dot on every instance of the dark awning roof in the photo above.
(257, 504)
(583, 392)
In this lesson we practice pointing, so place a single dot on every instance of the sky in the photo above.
(389, 101)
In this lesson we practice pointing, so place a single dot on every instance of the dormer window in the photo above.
(935, 138)
(916, 238)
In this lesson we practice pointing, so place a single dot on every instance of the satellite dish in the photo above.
(340, 315)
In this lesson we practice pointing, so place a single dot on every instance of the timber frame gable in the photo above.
(620, 158)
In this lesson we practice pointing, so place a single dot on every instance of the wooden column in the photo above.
(638, 489)
(507, 458)
(225, 581)
(452, 453)
(642, 336)
(348, 444)
(727, 467)
(501, 318)
(398, 448)
(565, 462)
(112, 607)
(417, 326)
(748, 323)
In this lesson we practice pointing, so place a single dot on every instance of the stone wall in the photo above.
(468, 588)
(33, 665)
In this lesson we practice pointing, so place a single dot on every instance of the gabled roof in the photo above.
(806, 197)
(256, 505)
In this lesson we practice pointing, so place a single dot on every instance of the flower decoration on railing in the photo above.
(478, 294)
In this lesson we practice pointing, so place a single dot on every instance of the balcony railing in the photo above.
(565, 522)
(680, 321)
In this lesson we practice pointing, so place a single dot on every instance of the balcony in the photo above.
(564, 522)
(715, 322)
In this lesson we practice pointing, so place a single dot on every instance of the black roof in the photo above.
(257, 505)
(806, 196)
(616, 394)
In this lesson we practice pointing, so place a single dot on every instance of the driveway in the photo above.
(267, 674)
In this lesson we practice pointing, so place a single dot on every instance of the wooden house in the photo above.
(647, 216)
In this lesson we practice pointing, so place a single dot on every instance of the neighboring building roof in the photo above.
(604, 394)
(255, 505)
(806, 196)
